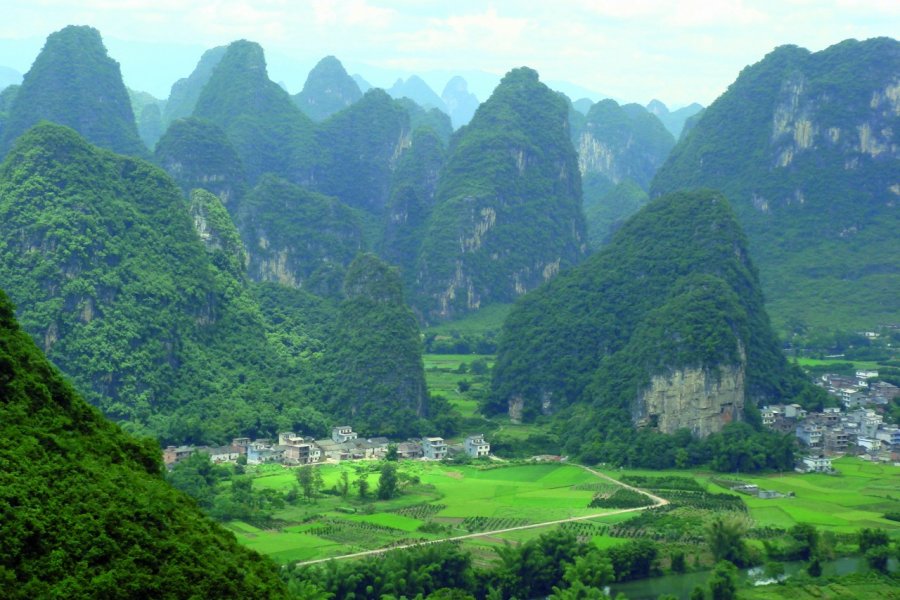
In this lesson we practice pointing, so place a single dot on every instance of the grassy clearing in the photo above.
(443, 377)
(489, 318)
(461, 499)
(820, 362)
(857, 497)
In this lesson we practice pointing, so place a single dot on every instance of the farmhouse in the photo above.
(434, 448)
(817, 464)
(476, 447)
(342, 433)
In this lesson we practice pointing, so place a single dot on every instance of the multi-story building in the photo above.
(434, 448)
(476, 447)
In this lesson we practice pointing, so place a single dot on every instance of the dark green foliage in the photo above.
(74, 83)
(723, 582)
(115, 283)
(197, 154)
(508, 212)
(633, 560)
(411, 202)
(725, 536)
(403, 573)
(376, 354)
(387, 481)
(674, 289)
(297, 237)
(265, 127)
(185, 92)
(804, 146)
(328, 89)
(359, 146)
(432, 118)
(621, 498)
(871, 538)
(84, 510)
(607, 208)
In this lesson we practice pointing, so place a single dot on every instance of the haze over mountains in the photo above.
(234, 260)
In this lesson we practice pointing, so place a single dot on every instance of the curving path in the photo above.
(657, 501)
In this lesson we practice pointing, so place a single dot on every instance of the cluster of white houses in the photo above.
(855, 427)
(345, 444)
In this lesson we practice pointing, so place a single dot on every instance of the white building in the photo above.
(817, 464)
(476, 447)
(434, 448)
(343, 433)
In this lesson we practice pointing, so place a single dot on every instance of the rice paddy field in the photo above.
(857, 496)
(447, 500)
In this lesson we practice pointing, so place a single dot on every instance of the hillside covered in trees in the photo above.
(84, 508)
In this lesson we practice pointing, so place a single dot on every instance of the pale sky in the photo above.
(633, 50)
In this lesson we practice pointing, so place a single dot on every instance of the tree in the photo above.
(877, 557)
(305, 479)
(578, 591)
(815, 567)
(362, 484)
(593, 569)
(774, 570)
(723, 581)
(807, 540)
(678, 564)
(870, 538)
(392, 454)
(387, 483)
(698, 594)
(724, 536)
(343, 485)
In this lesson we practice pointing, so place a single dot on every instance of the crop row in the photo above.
(671, 482)
(420, 511)
(491, 523)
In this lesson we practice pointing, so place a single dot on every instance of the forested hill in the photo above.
(328, 89)
(84, 509)
(619, 150)
(664, 327)
(74, 83)
(110, 276)
(508, 213)
(805, 147)
(268, 131)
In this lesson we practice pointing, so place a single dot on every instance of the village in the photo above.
(345, 444)
(855, 427)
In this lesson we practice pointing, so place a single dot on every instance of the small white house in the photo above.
(434, 448)
(343, 433)
(476, 447)
(817, 464)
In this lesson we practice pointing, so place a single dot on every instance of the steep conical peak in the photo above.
(327, 90)
(185, 92)
(665, 326)
(75, 83)
(418, 91)
(508, 211)
(657, 107)
(460, 103)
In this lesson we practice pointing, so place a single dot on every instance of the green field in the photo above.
(856, 497)
(460, 499)
(442, 377)
(489, 318)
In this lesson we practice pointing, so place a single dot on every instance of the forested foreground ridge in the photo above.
(84, 509)
(804, 145)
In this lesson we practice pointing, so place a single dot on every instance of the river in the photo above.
(681, 585)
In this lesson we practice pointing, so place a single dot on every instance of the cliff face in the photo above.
(805, 147)
(663, 328)
(698, 399)
(508, 210)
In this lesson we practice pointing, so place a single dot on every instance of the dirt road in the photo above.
(656, 499)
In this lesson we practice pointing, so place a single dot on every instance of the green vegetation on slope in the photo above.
(328, 89)
(376, 353)
(297, 237)
(508, 211)
(84, 510)
(197, 154)
(114, 282)
(804, 146)
(74, 83)
(268, 131)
